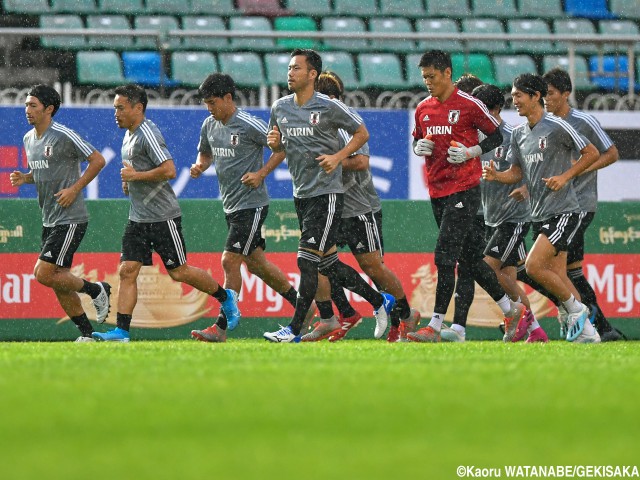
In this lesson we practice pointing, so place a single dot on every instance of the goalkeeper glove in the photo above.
(424, 146)
(458, 153)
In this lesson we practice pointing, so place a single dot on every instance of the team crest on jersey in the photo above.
(499, 152)
(235, 139)
(314, 118)
(48, 150)
(454, 116)
(542, 143)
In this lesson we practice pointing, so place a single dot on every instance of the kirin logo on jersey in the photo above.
(314, 118)
(454, 116)
(48, 150)
(235, 139)
(542, 143)
(499, 152)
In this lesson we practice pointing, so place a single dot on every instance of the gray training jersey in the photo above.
(586, 185)
(545, 151)
(146, 149)
(54, 160)
(356, 198)
(308, 131)
(498, 206)
(237, 148)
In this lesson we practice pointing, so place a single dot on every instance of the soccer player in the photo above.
(234, 141)
(155, 219)
(541, 152)
(446, 134)
(359, 231)
(465, 284)
(586, 185)
(54, 154)
(507, 218)
(305, 125)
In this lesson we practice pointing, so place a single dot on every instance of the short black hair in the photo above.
(558, 78)
(330, 84)
(47, 96)
(217, 85)
(531, 84)
(313, 58)
(467, 82)
(134, 93)
(490, 95)
(437, 59)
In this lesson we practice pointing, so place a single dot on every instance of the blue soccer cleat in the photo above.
(115, 335)
(575, 323)
(231, 310)
(382, 314)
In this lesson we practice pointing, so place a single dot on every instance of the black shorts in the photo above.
(559, 230)
(245, 230)
(141, 239)
(59, 243)
(505, 242)
(576, 247)
(319, 220)
(459, 233)
(359, 233)
(377, 218)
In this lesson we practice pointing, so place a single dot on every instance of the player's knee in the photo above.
(43, 276)
(328, 264)
(308, 265)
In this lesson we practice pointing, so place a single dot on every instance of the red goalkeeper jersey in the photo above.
(458, 118)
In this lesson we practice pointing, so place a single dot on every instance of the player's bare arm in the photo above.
(356, 163)
(274, 140)
(589, 155)
(255, 179)
(18, 178)
(203, 162)
(330, 162)
(605, 159)
(510, 176)
(165, 171)
(67, 196)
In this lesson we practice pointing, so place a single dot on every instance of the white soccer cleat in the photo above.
(284, 335)
(101, 302)
(83, 340)
(382, 314)
(585, 338)
(448, 334)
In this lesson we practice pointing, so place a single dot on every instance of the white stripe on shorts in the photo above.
(67, 242)
(175, 235)
(254, 228)
(327, 226)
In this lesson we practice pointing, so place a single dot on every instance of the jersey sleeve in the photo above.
(513, 155)
(598, 137)
(257, 130)
(155, 146)
(483, 120)
(572, 138)
(203, 144)
(345, 138)
(417, 129)
(344, 118)
(78, 145)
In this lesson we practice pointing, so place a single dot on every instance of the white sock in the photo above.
(505, 304)
(436, 321)
(533, 326)
(572, 305)
(458, 328)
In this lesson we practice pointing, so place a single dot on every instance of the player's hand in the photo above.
(274, 139)
(127, 172)
(66, 197)
(458, 153)
(196, 170)
(555, 183)
(520, 194)
(125, 188)
(17, 178)
(329, 162)
(489, 173)
(252, 179)
(424, 146)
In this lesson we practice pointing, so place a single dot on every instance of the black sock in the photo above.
(123, 321)
(290, 296)
(340, 299)
(83, 324)
(403, 307)
(347, 277)
(222, 321)
(325, 309)
(91, 289)
(220, 294)
(484, 276)
(308, 265)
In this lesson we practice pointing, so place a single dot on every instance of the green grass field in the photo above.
(357, 409)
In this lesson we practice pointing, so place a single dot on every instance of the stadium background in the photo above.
(170, 45)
